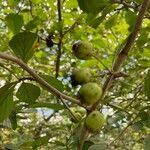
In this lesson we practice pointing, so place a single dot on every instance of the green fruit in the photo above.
(95, 121)
(82, 50)
(90, 93)
(81, 75)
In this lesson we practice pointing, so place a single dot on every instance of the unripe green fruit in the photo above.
(81, 76)
(95, 121)
(82, 50)
(90, 93)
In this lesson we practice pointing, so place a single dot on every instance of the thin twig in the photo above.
(122, 132)
(97, 58)
(70, 111)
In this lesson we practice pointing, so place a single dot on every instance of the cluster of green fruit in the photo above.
(90, 92)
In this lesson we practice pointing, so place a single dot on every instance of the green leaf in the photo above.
(147, 86)
(92, 6)
(13, 120)
(13, 2)
(14, 22)
(137, 126)
(147, 142)
(47, 105)
(40, 141)
(87, 144)
(54, 82)
(36, 1)
(28, 93)
(101, 146)
(22, 45)
(130, 18)
(145, 117)
(6, 101)
(111, 21)
(33, 23)
(11, 146)
(96, 21)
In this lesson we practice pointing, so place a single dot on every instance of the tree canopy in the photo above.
(75, 74)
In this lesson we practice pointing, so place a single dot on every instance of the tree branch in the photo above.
(59, 52)
(38, 78)
(83, 136)
(120, 60)
(122, 56)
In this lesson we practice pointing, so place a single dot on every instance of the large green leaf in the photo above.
(92, 6)
(130, 17)
(54, 82)
(14, 22)
(28, 93)
(6, 101)
(147, 85)
(95, 21)
(22, 45)
(33, 23)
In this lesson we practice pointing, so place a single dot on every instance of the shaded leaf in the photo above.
(111, 21)
(94, 6)
(145, 117)
(87, 144)
(28, 93)
(14, 22)
(6, 101)
(22, 45)
(33, 23)
(40, 141)
(54, 82)
(13, 120)
(147, 86)
(96, 21)
(137, 126)
(130, 17)
(10, 146)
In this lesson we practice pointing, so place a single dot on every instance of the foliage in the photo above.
(40, 34)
